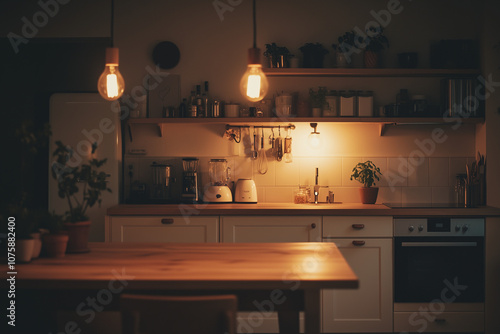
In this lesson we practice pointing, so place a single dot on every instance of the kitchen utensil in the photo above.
(262, 159)
(255, 145)
(219, 174)
(245, 191)
(279, 146)
(287, 150)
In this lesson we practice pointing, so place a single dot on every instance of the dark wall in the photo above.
(27, 80)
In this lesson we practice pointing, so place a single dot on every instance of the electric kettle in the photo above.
(245, 191)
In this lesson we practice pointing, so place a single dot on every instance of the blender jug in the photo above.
(219, 175)
(160, 191)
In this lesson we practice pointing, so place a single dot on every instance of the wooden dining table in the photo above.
(282, 277)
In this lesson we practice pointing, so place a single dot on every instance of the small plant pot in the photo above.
(37, 244)
(78, 237)
(55, 245)
(368, 195)
(24, 250)
(371, 59)
(313, 60)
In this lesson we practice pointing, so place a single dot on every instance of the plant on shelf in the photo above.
(313, 53)
(317, 100)
(343, 49)
(375, 42)
(70, 179)
(278, 56)
(366, 173)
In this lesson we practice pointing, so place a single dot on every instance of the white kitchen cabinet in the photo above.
(268, 229)
(366, 244)
(162, 229)
(271, 229)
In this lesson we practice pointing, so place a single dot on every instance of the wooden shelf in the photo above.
(369, 72)
(276, 120)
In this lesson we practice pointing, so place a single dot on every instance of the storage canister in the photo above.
(365, 104)
(347, 103)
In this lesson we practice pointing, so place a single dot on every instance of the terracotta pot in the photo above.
(368, 195)
(24, 250)
(55, 245)
(37, 244)
(371, 59)
(78, 236)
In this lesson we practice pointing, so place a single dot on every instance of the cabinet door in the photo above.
(163, 229)
(271, 229)
(369, 308)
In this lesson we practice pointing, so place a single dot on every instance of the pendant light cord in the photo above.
(112, 30)
(254, 27)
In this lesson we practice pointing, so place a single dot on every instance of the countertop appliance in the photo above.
(438, 261)
(245, 191)
(161, 191)
(89, 125)
(218, 190)
(190, 183)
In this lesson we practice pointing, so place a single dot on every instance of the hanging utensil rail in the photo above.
(286, 127)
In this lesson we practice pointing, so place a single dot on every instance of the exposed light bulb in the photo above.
(254, 84)
(314, 139)
(111, 84)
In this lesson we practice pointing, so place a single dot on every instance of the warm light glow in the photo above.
(253, 84)
(111, 84)
(314, 140)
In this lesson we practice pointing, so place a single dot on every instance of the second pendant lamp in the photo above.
(254, 84)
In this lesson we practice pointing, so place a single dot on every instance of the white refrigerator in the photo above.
(81, 120)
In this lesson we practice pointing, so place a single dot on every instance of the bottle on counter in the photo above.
(206, 101)
(183, 108)
(199, 102)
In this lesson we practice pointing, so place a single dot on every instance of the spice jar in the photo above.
(302, 195)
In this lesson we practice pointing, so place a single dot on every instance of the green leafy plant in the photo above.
(317, 98)
(378, 41)
(71, 179)
(273, 50)
(366, 173)
(345, 42)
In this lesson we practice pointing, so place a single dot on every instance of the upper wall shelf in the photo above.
(384, 122)
(368, 72)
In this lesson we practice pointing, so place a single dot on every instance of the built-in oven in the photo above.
(438, 268)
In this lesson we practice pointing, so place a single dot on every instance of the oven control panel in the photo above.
(439, 227)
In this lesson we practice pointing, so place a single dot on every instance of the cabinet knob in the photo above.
(358, 226)
(358, 242)
(313, 225)
(167, 221)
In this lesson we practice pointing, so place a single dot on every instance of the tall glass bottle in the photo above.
(199, 101)
(206, 101)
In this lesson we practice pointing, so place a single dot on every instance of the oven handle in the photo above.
(439, 244)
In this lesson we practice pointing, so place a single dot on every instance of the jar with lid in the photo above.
(302, 195)
(419, 106)
(347, 103)
(365, 103)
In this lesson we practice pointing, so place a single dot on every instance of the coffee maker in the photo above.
(162, 183)
(190, 183)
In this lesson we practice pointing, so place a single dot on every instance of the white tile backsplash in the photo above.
(404, 179)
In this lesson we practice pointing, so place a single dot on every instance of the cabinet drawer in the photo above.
(445, 322)
(355, 227)
(164, 229)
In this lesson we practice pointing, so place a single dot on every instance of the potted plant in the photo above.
(313, 53)
(55, 240)
(366, 173)
(375, 42)
(317, 100)
(342, 49)
(70, 180)
(278, 56)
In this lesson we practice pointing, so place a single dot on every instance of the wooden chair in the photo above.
(152, 314)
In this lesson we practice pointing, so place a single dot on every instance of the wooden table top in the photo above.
(172, 266)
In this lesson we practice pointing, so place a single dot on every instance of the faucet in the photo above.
(317, 186)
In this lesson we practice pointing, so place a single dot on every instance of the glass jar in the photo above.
(302, 195)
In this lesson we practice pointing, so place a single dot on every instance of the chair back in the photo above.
(153, 314)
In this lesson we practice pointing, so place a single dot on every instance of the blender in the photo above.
(190, 191)
(161, 189)
(218, 190)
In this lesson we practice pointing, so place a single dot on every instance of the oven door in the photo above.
(449, 269)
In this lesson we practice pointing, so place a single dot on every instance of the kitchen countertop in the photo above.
(290, 209)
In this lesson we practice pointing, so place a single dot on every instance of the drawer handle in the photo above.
(313, 225)
(358, 226)
(440, 320)
(358, 242)
(167, 221)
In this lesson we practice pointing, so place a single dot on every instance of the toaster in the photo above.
(245, 191)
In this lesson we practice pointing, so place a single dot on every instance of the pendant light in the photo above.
(111, 84)
(253, 84)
